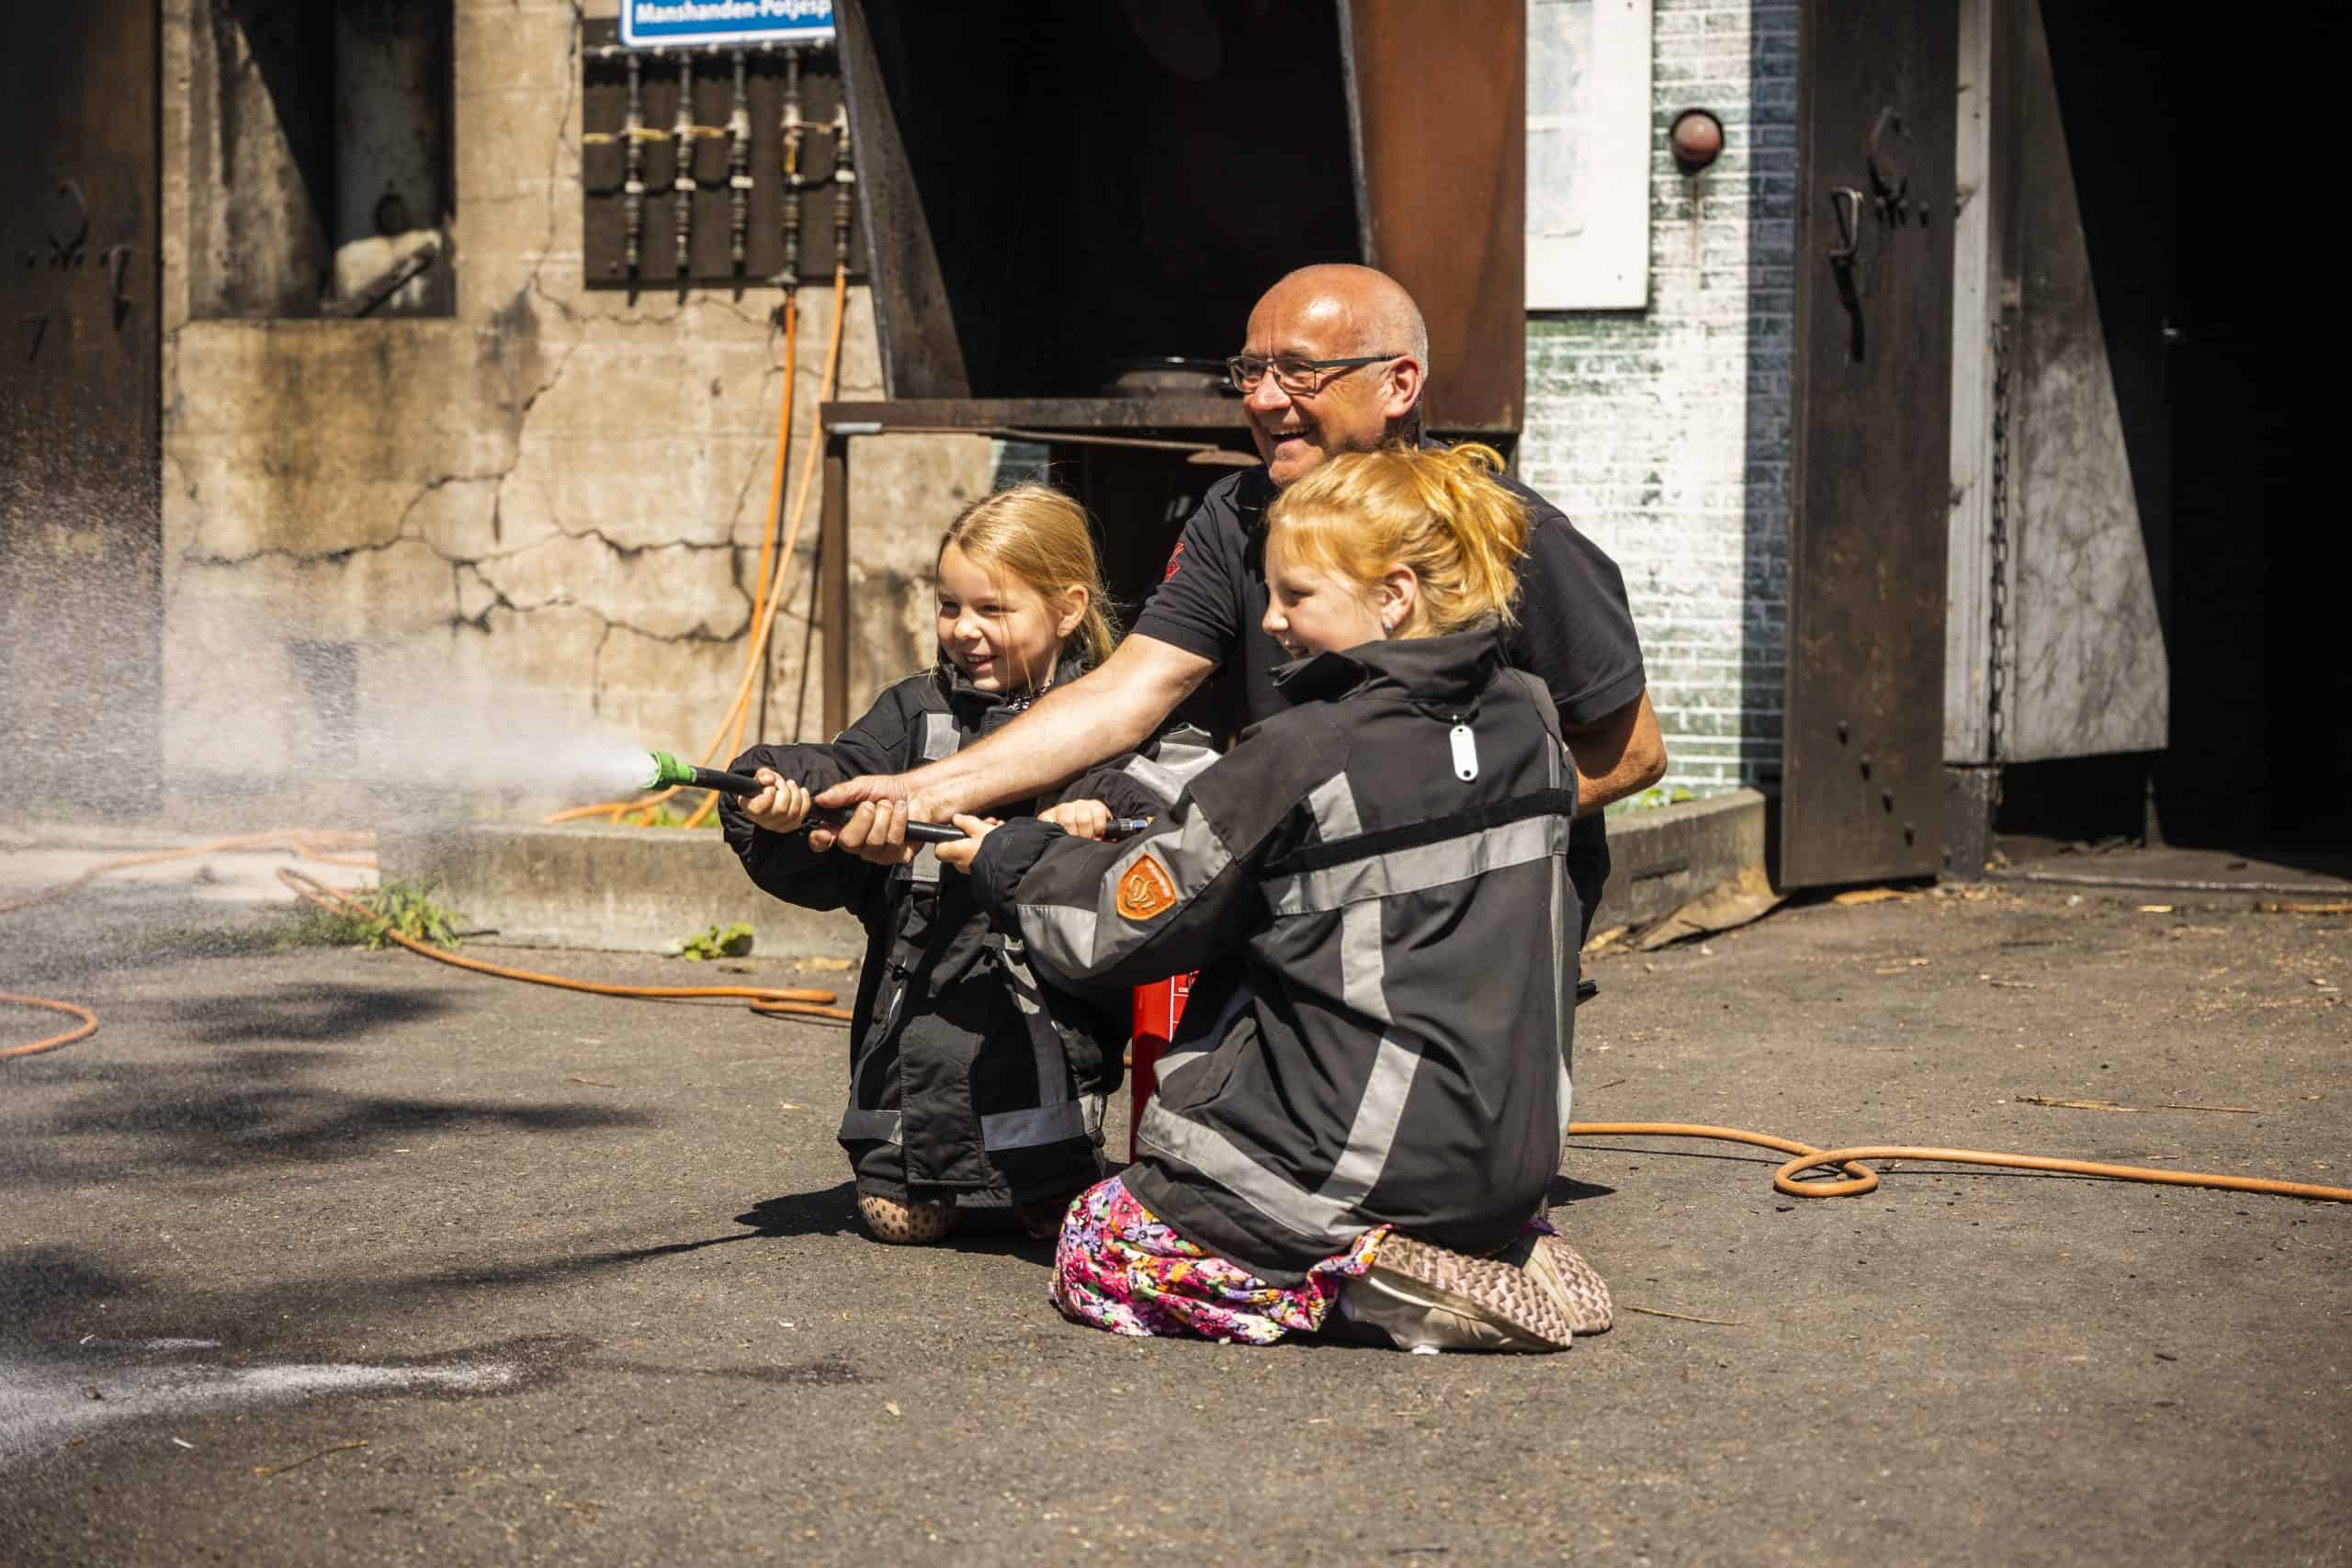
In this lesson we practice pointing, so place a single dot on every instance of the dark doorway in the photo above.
(2192, 198)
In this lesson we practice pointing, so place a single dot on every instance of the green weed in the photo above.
(732, 943)
(410, 908)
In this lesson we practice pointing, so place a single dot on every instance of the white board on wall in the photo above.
(1588, 154)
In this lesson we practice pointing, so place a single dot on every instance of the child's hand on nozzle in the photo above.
(780, 807)
(966, 850)
(1079, 818)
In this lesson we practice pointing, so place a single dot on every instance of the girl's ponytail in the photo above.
(1440, 511)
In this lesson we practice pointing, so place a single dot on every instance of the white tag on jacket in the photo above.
(1465, 753)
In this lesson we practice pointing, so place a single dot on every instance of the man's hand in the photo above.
(877, 831)
(780, 807)
(925, 783)
(1079, 818)
(966, 850)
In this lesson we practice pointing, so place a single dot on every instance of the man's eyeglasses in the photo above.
(1298, 377)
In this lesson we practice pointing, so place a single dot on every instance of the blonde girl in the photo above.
(973, 1085)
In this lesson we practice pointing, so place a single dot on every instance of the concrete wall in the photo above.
(1663, 431)
(551, 497)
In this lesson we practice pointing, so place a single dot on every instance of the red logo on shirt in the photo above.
(1174, 561)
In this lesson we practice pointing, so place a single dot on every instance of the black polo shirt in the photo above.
(1575, 630)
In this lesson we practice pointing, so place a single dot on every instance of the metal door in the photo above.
(81, 587)
(2084, 668)
(1871, 465)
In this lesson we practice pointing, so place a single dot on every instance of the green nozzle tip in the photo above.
(668, 770)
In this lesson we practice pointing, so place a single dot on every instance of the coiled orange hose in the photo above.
(1861, 1178)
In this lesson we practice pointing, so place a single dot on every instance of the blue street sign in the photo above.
(692, 23)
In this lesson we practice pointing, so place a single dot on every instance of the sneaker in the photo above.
(1573, 1284)
(906, 1224)
(1424, 1297)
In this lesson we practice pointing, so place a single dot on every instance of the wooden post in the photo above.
(833, 582)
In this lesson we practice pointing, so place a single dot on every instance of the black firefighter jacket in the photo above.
(1371, 883)
(968, 1081)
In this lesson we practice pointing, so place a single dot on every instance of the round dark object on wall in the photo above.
(1696, 139)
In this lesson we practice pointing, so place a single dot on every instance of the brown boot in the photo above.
(1424, 1297)
(906, 1224)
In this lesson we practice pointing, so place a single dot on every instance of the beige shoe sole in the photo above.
(1576, 1285)
(1426, 1297)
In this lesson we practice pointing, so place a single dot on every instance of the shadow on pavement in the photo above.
(236, 1107)
(1567, 1190)
(308, 1012)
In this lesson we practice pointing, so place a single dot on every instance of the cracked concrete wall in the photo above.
(555, 497)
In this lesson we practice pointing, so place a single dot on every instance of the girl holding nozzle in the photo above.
(1366, 1102)
(975, 1082)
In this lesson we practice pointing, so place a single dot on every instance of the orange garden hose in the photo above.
(321, 846)
(311, 844)
(760, 585)
(770, 594)
(87, 1027)
(762, 998)
(1860, 1179)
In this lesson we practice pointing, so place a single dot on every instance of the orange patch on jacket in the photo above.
(1147, 890)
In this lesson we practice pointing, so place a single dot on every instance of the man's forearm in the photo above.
(1619, 756)
(1068, 730)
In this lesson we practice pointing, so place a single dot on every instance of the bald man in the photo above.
(1336, 360)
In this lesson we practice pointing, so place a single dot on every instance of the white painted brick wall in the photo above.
(1664, 432)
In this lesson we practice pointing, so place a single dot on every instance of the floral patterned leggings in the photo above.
(1119, 1266)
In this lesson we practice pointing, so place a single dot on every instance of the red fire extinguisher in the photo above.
(1156, 1007)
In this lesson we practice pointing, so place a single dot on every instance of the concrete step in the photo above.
(610, 889)
(647, 889)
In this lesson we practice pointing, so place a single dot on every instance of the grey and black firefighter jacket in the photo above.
(969, 1081)
(1372, 887)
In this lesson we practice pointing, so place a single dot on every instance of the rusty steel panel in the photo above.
(81, 521)
(1871, 462)
(1440, 103)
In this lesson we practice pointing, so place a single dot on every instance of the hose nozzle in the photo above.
(669, 772)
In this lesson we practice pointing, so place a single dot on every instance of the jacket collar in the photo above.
(966, 699)
(1429, 671)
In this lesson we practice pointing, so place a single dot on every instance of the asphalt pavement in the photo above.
(323, 1256)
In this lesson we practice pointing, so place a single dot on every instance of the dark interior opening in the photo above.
(2177, 137)
(1108, 183)
(319, 174)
